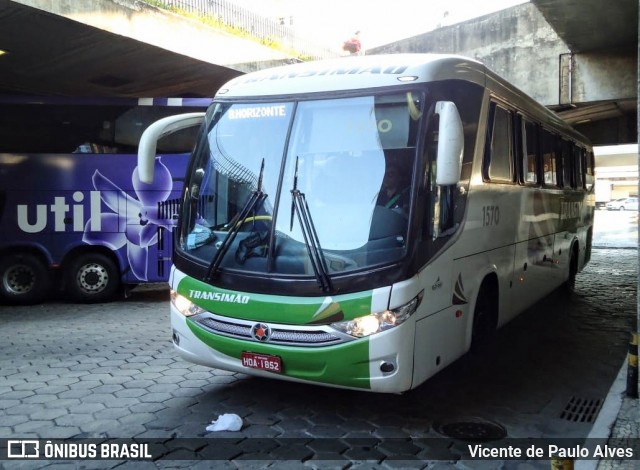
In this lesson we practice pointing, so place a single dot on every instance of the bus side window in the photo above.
(498, 163)
(578, 160)
(589, 170)
(550, 158)
(531, 150)
(568, 179)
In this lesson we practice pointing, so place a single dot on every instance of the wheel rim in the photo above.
(92, 278)
(19, 279)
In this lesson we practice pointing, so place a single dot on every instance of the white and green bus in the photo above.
(363, 222)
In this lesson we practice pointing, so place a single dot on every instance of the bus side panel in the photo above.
(486, 244)
(439, 340)
(58, 202)
(452, 282)
(552, 221)
(444, 335)
(535, 272)
(470, 272)
(440, 326)
(575, 219)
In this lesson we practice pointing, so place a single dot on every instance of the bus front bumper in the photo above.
(379, 363)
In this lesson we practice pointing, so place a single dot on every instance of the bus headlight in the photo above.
(184, 305)
(377, 322)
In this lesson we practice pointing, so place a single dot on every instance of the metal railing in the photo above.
(229, 16)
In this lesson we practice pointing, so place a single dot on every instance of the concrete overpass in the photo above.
(578, 57)
(575, 56)
(122, 48)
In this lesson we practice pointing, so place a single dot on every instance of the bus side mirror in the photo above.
(153, 133)
(450, 144)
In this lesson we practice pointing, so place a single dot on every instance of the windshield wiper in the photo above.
(300, 207)
(256, 198)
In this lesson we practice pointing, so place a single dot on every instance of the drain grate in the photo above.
(581, 410)
(471, 429)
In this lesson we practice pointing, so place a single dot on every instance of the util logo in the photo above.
(60, 210)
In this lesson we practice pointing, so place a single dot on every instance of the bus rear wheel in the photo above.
(24, 279)
(570, 284)
(92, 277)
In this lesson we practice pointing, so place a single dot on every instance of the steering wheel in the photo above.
(253, 219)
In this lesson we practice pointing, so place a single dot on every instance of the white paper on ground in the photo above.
(226, 422)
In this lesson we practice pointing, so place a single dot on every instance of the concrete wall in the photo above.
(516, 43)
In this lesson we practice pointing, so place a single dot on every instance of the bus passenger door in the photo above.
(163, 253)
(150, 258)
(168, 215)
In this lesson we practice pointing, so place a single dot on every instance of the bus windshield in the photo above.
(297, 188)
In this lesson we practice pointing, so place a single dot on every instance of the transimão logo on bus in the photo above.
(570, 210)
(61, 210)
(219, 297)
(379, 70)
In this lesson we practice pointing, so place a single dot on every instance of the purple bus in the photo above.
(74, 217)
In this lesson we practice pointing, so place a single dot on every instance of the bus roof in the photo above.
(348, 73)
(386, 70)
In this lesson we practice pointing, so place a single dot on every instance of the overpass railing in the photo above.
(227, 15)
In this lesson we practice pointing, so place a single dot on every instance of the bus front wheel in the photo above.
(24, 279)
(485, 316)
(92, 277)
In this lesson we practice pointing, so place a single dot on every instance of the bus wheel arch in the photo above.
(91, 275)
(484, 323)
(25, 277)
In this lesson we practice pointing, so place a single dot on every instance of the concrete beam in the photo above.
(590, 25)
(594, 81)
(161, 28)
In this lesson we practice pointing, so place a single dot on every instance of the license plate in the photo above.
(262, 362)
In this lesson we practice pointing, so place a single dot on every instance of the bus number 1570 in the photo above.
(490, 215)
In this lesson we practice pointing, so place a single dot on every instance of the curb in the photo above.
(607, 416)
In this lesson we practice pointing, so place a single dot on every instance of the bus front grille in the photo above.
(279, 334)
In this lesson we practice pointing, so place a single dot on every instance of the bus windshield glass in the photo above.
(295, 188)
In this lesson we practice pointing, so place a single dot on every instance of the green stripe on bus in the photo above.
(344, 365)
(276, 308)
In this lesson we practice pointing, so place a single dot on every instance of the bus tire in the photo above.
(92, 277)
(24, 279)
(570, 283)
(485, 316)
